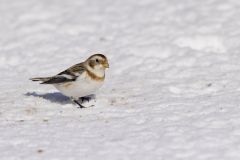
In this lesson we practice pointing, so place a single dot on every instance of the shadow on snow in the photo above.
(55, 97)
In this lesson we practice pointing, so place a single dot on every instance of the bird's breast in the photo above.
(82, 86)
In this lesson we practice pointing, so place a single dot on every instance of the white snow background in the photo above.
(172, 91)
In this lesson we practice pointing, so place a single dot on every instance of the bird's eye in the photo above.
(97, 60)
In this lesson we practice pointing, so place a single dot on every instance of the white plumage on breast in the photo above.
(82, 86)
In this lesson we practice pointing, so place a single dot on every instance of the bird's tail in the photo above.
(42, 79)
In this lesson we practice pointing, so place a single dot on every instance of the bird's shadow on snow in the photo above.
(55, 97)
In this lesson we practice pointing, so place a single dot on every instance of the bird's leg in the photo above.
(75, 101)
(80, 106)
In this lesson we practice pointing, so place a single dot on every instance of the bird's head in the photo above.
(98, 62)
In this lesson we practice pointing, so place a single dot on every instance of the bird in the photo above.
(80, 80)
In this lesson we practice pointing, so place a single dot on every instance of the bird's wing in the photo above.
(69, 75)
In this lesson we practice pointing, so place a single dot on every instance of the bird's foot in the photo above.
(81, 100)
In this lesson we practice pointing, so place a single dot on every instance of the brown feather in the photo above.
(95, 77)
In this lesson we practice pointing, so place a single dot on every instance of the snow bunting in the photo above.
(80, 80)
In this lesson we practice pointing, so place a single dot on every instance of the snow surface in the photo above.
(172, 91)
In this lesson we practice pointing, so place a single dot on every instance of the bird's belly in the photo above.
(79, 88)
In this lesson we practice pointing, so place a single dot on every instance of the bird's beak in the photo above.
(106, 65)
